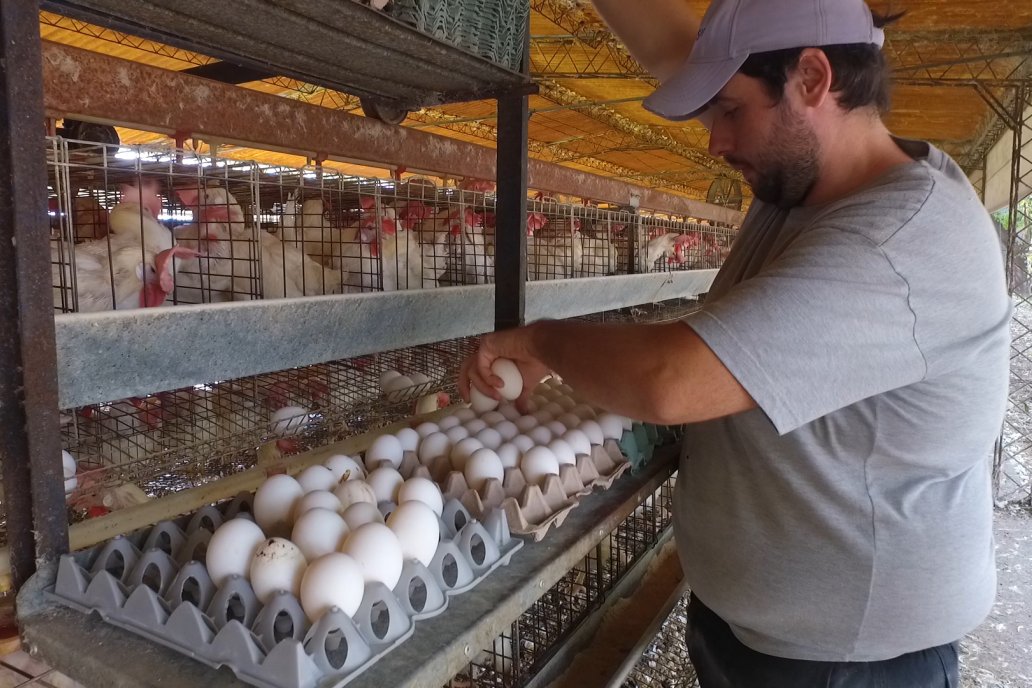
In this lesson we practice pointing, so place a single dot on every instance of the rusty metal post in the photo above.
(30, 448)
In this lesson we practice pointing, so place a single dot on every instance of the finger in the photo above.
(464, 380)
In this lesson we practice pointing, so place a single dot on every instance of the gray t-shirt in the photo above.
(849, 517)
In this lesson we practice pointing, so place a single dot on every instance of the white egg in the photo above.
(509, 454)
(558, 429)
(288, 421)
(387, 376)
(463, 450)
(354, 491)
(584, 412)
(490, 438)
(333, 580)
(537, 464)
(343, 466)
(385, 482)
(409, 439)
(482, 465)
(564, 453)
(543, 417)
(433, 446)
(540, 435)
(70, 484)
(397, 388)
(628, 423)
(274, 503)
(361, 513)
(457, 434)
(492, 418)
(448, 422)
(554, 409)
(512, 380)
(507, 429)
(578, 441)
(480, 402)
(570, 420)
(419, 378)
(565, 389)
(277, 565)
(523, 443)
(593, 430)
(509, 411)
(68, 464)
(566, 403)
(526, 423)
(464, 414)
(317, 499)
(316, 477)
(422, 490)
(231, 549)
(426, 428)
(531, 405)
(611, 425)
(384, 448)
(474, 426)
(318, 532)
(418, 530)
(376, 549)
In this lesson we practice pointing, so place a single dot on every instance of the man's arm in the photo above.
(658, 33)
(657, 373)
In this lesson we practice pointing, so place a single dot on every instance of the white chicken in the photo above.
(557, 258)
(471, 255)
(599, 256)
(388, 262)
(226, 268)
(660, 246)
(311, 231)
(134, 266)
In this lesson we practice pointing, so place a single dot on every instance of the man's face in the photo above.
(771, 144)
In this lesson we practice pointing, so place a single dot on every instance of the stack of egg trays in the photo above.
(153, 583)
(492, 29)
(531, 509)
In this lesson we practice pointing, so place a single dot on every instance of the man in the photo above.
(845, 381)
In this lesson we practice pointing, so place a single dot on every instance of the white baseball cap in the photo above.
(732, 30)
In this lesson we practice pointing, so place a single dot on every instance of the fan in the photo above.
(725, 191)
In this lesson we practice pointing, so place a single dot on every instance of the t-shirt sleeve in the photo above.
(824, 325)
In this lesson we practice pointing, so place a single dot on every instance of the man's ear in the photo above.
(812, 77)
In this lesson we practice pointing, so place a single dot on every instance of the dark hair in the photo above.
(860, 74)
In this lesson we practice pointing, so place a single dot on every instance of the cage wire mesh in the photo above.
(515, 656)
(665, 663)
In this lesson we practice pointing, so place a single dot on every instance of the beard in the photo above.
(787, 168)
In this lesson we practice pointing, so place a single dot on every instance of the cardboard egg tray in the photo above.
(154, 583)
(531, 509)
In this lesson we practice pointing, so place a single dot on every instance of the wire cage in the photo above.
(565, 240)
(516, 655)
(670, 244)
(665, 663)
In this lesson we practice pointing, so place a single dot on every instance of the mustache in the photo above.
(733, 160)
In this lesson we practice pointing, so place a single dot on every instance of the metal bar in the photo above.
(30, 450)
(510, 235)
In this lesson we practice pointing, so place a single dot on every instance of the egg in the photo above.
(537, 464)
(526, 423)
(512, 380)
(474, 426)
(558, 429)
(628, 424)
(70, 484)
(384, 448)
(480, 402)
(361, 513)
(68, 464)
(426, 428)
(510, 411)
(231, 549)
(566, 403)
(457, 434)
(565, 389)
(316, 477)
(523, 443)
(318, 532)
(492, 418)
(490, 438)
(448, 422)
(387, 376)
(509, 455)
(482, 465)
(543, 417)
(408, 438)
(507, 429)
(540, 435)
(352, 491)
(422, 490)
(570, 420)
(578, 441)
(333, 580)
(593, 430)
(385, 482)
(554, 409)
(345, 467)
(378, 552)
(419, 378)
(531, 405)
(611, 425)
(274, 503)
(583, 411)
(464, 414)
(418, 530)
(397, 388)
(462, 451)
(317, 499)
(433, 446)
(288, 421)
(564, 453)
(277, 565)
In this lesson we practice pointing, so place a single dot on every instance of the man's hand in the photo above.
(515, 344)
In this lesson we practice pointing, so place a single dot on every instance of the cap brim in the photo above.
(686, 94)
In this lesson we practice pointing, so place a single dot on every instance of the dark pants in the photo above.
(722, 661)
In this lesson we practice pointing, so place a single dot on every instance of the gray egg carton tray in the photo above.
(154, 583)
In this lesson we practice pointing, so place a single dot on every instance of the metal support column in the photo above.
(30, 448)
